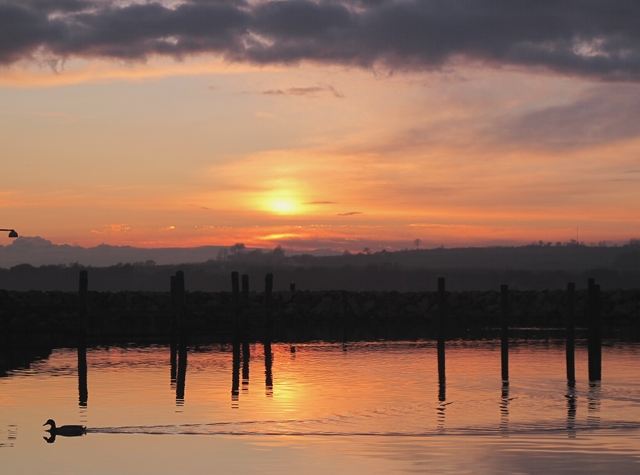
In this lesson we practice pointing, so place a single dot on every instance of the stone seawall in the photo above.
(146, 316)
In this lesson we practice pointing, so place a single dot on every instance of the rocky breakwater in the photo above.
(147, 316)
(465, 311)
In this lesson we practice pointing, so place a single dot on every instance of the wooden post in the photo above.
(268, 289)
(245, 290)
(292, 286)
(595, 333)
(442, 311)
(571, 333)
(180, 300)
(82, 304)
(245, 307)
(174, 305)
(504, 306)
(235, 293)
(268, 297)
(345, 316)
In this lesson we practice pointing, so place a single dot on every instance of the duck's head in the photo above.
(50, 422)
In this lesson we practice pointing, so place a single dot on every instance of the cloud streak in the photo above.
(304, 91)
(599, 116)
(597, 39)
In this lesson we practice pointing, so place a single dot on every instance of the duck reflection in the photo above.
(63, 431)
(572, 406)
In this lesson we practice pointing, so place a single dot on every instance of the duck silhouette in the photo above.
(63, 431)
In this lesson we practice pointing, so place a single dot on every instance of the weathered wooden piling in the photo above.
(442, 314)
(345, 317)
(571, 333)
(244, 320)
(180, 301)
(83, 287)
(235, 293)
(174, 306)
(268, 298)
(245, 291)
(292, 286)
(594, 333)
(504, 309)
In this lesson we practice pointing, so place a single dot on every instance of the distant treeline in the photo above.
(535, 267)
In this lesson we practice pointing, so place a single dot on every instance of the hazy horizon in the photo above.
(37, 251)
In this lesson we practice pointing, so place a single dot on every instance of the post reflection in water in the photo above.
(12, 435)
(235, 375)
(442, 398)
(246, 357)
(83, 391)
(268, 369)
(173, 348)
(593, 404)
(504, 408)
(182, 372)
(571, 397)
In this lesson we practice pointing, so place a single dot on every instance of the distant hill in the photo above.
(533, 267)
(37, 251)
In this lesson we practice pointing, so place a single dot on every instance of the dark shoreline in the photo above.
(299, 315)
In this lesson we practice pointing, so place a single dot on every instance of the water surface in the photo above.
(355, 408)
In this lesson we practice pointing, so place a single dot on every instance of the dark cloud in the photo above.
(350, 213)
(55, 6)
(599, 116)
(23, 30)
(304, 91)
(593, 38)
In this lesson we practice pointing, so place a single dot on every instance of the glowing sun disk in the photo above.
(283, 206)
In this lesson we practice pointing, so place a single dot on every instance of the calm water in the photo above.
(361, 408)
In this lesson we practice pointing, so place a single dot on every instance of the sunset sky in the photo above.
(327, 124)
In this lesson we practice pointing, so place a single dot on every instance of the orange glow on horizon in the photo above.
(200, 153)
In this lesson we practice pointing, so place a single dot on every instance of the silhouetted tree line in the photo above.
(533, 267)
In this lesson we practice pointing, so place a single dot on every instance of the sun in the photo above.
(283, 206)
